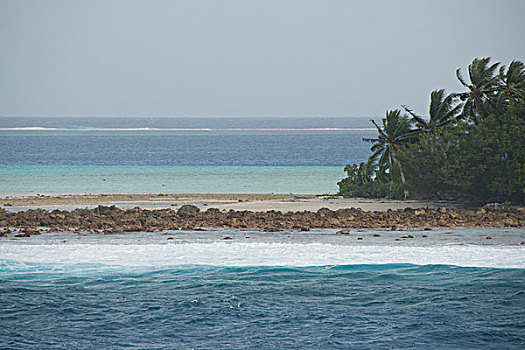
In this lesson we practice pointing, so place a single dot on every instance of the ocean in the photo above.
(179, 155)
(287, 290)
(259, 290)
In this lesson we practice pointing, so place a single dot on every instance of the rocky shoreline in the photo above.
(107, 220)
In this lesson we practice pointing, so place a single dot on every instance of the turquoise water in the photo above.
(178, 155)
(168, 179)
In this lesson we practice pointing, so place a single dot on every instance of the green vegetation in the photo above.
(471, 147)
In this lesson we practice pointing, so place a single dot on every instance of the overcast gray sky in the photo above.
(242, 57)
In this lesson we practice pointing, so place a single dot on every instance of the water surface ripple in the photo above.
(316, 290)
(353, 306)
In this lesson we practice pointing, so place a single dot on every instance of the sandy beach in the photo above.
(238, 202)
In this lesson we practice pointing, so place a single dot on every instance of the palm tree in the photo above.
(442, 112)
(396, 131)
(512, 82)
(480, 88)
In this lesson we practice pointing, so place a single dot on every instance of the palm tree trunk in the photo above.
(403, 181)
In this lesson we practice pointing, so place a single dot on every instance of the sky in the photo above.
(244, 57)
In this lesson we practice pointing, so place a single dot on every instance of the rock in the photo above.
(493, 207)
(213, 212)
(189, 217)
(234, 222)
(103, 210)
(25, 234)
(348, 214)
(334, 222)
(325, 212)
(32, 232)
(187, 211)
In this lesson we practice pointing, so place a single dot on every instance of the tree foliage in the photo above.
(367, 181)
(395, 132)
(471, 146)
(443, 112)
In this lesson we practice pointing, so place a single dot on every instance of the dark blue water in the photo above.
(205, 150)
(357, 307)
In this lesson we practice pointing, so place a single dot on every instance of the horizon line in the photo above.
(183, 116)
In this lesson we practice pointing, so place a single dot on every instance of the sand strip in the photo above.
(252, 202)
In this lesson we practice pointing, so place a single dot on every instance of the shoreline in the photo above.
(110, 219)
(237, 201)
(29, 215)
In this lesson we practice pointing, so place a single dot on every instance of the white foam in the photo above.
(38, 128)
(261, 254)
(29, 128)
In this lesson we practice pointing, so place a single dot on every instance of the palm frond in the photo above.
(420, 122)
(460, 78)
(381, 132)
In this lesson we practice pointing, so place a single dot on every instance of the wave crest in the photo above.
(255, 254)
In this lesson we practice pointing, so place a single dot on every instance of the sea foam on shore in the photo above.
(319, 248)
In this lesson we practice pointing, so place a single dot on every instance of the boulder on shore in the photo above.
(188, 211)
